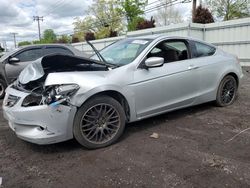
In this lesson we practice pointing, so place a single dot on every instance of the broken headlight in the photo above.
(58, 94)
(11, 100)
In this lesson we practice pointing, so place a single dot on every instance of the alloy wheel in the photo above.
(228, 91)
(100, 123)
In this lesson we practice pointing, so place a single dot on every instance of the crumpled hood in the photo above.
(32, 72)
(52, 63)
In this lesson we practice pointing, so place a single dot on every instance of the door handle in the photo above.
(191, 67)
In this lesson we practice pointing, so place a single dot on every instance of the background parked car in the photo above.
(12, 63)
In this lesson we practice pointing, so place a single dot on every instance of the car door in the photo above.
(25, 57)
(171, 86)
(210, 67)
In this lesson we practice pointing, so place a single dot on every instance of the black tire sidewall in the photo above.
(222, 83)
(77, 120)
(4, 85)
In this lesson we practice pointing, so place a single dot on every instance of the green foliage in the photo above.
(36, 42)
(202, 15)
(104, 16)
(229, 9)
(133, 24)
(48, 36)
(133, 9)
(24, 43)
(64, 39)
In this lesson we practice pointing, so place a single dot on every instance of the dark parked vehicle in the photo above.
(12, 63)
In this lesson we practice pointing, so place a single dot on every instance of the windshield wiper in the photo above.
(101, 58)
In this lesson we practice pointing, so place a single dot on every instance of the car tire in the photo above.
(99, 122)
(3, 86)
(227, 91)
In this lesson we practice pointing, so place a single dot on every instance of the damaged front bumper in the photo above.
(40, 124)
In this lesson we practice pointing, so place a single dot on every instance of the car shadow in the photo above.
(61, 147)
(148, 123)
(130, 129)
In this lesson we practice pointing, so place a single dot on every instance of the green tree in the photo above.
(49, 36)
(133, 24)
(132, 9)
(104, 17)
(36, 42)
(24, 43)
(63, 39)
(229, 9)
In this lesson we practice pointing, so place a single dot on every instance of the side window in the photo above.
(203, 50)
(170, 50)
(55, 50)
(30, 55)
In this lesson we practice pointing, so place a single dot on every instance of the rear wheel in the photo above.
(3, 86)
(227, 91)
(99, 122)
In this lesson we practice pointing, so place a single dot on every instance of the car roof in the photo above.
(159, 36)
(70, 47)
(36, 45)
(164, 36)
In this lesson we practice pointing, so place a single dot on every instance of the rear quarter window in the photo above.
(203, 50)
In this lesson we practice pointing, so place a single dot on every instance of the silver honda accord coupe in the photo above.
(60, 97)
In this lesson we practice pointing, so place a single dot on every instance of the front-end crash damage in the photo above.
(42, 113)
(33, 78)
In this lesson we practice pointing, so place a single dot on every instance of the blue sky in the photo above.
(17, 16)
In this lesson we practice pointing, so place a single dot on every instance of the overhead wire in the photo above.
(147, 10)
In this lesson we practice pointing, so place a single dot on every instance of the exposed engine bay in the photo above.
(32, 78)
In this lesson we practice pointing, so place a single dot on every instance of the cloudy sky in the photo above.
(16, 16)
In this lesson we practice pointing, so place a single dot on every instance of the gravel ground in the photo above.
(193, 150)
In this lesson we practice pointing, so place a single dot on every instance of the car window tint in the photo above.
(29, 55)
(53, 50)
(203, 50)
(170, 50)
(155, 50)
(180, 46)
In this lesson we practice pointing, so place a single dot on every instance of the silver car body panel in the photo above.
(41, 124)
(148, 92)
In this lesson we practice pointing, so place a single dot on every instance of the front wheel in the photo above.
(227, 91)
(99, 122)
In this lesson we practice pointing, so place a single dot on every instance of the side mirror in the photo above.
(14, 60)
(154, 62)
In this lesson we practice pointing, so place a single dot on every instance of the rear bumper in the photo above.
(41, 124)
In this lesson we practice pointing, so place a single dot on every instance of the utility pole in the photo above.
(38, 18)
(14, 37)
(193, 10)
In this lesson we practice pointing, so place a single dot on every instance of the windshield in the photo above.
(124, 51)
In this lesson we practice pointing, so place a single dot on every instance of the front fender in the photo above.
(80, 98)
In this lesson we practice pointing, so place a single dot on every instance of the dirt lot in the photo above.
(192, 151)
